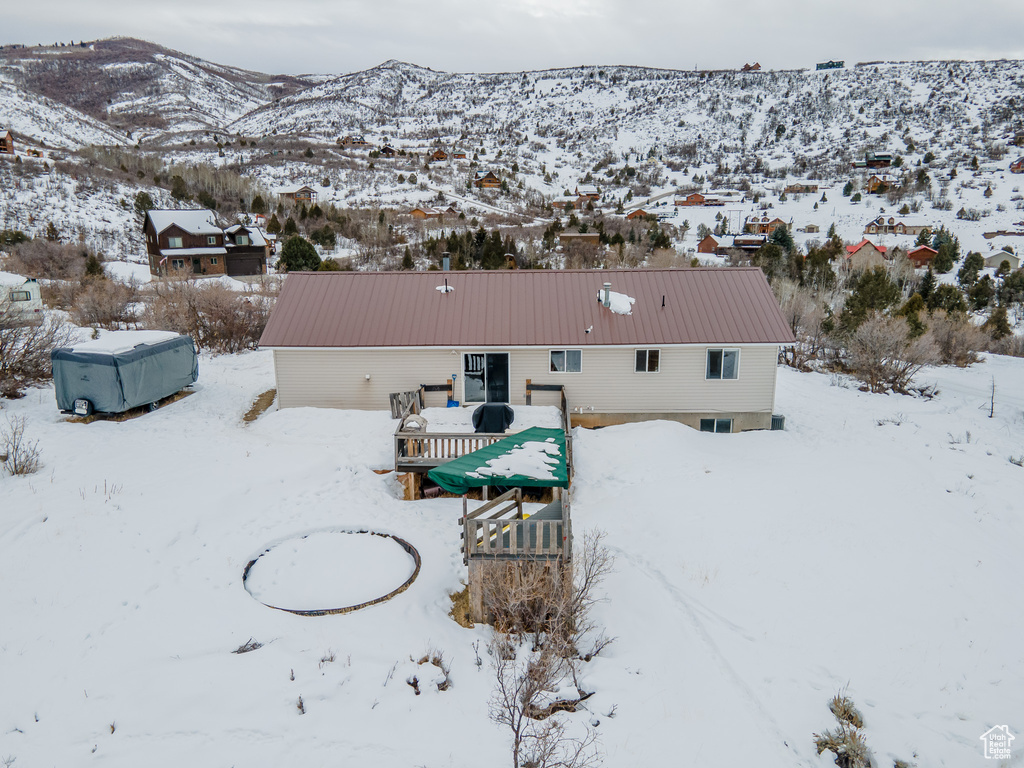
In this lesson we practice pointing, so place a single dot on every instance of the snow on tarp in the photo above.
(619, 303)
(9, 278)
(117, 342)
(535, 457)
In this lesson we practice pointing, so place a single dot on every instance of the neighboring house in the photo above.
(721, 245)
(248, 250)
(356, 142)
(1017, 166)
(6, 142)
(709, 244)
(812, 228)
(888, 225)
(921, 256)
(696, 198)
(755, 67)
(999, 257)
(864, 255)
(830, 65)
(801, 189)
(458, 155)
(298, 195)
(425, 212)
(488, 181)
(437, 156)
(879, 183)
(699, 346)
(193, 241)
(388, 151)
(873, 160)
(184, 241)
(582, 238)
(762, 225)
(586, 190)
(639, 213)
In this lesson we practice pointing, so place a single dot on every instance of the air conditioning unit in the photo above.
(778, 421)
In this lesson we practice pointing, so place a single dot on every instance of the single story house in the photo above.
(889, 225)
(6, 142)
(696, 198)
(864, 255)
(425, 212)
(997, 258)
(723, 244)
(921, 256)
(355, 141)
(698, 346)
(587, 190)
(639, 213)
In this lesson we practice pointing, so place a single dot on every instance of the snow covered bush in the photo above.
(845, 741)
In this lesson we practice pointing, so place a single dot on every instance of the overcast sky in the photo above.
(338, 36)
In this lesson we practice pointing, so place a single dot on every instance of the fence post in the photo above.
(529, 392)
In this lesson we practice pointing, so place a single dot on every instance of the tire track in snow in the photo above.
(769, 726)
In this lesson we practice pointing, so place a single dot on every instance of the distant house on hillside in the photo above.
(698, 346)
(722, 245)
(830, 65)
(357, 142)
(755, 67)
(192, 241)
(425, 212)
(762, 225)
(864, 255)
(297, 195)
(999, 257)
(697, 198)
(1017, 166)
(488, 181)
(6, 142)
(586, 190)
(388, 151)
(458, 155)
(437, 156)
(801, 189)
(874, 160)
(880, 183)
(579, 238)
(639, 213)
(889, 225)
(921, 256)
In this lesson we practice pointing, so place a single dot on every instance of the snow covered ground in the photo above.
(874, 545)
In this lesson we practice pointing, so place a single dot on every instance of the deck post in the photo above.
(529, 392)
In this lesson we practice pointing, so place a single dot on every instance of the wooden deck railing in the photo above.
(498, 529)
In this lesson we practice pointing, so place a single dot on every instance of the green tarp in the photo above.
(534, 458)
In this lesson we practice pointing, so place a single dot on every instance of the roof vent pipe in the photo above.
(606, 295)
(446, 261)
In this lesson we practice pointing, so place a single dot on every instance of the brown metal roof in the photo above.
(524, 308)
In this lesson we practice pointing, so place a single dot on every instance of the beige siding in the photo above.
(607, 384)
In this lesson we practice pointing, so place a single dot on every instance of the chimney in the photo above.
(446, 261)
(606, 295)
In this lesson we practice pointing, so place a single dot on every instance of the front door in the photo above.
(485, 377)
(197, 265)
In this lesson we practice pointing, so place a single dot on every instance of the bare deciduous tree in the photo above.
(25, 349)
(883, 356)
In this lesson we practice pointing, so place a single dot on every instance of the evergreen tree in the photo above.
(848, 189)
(94, 267)
(998, 324)
(968, 273)
(290, 227)
(259, 205)
(981, 293)
(770, 258)
(927, 284)
(782, 238)
(947, 297)
(274, 225)
(407, 262)
(143, 203)
(873, 291)
(298, 254)
(51, 233)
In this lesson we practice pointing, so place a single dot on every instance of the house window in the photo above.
(566, 361)
(242, 240)
(174, 242)
(20, 296)
(177, 263)
(723, 364)
(211, 239)
(716, 425)
(647, 361)
(213, 261)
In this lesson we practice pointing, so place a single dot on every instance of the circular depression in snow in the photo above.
(330, 572)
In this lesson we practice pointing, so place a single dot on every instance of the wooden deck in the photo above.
(420, 452)
(500, 530)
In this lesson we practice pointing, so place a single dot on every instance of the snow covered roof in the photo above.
(9, 278)
(197, 222)
(524, 308)
(255, 234)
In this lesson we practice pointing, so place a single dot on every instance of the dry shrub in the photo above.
(18, 454)
(958, 340)
(845, 711)
(1009, 345)
(847, 744)
(216, 317)
(105, 303)
(883, 356)
(25, 350)
(44, 259)
(805, 314)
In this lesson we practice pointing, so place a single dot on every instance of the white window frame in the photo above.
(177, 263)
(707, 364)
(21, 296)
(211, 239)
(647, 359)
(213, 261)
(175, 242)
(716, 422)
(242, 240)
(552, 352)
